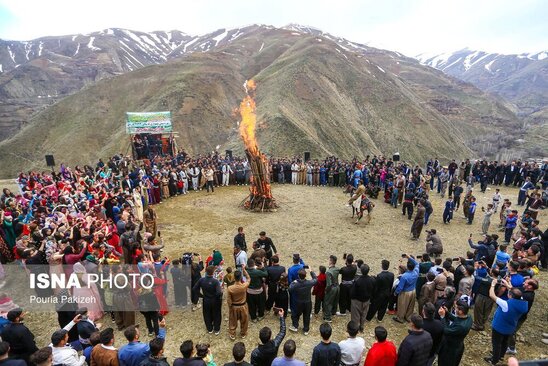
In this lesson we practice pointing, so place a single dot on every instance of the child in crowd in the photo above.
(496, 199)
(511, 223)
(319, 290)
(448, 211)
(472, 210)
(229, 280)
(486, 218)
(204, 352)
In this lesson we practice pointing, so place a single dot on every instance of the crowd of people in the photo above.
(101, 220)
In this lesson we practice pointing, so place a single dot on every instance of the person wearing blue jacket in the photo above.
(406, 290)
(483, 248)
(505, 320)
(522, 196)
(133, 353)
(293, 275)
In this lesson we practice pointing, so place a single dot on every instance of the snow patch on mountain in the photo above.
(12, 55)
(77, 49)
(91, 46)
(220, 37)
(488, 65)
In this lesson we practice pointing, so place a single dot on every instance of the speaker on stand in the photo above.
(50, 161)
(306, 156)
(229, 154)
(396, 157)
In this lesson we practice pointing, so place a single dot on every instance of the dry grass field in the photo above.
(314, 222)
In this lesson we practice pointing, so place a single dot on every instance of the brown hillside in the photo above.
(313, 95)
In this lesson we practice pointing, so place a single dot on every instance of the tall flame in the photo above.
(249, 119)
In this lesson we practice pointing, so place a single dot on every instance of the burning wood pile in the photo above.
(260, 196)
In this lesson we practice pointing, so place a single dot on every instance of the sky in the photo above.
(411, 27)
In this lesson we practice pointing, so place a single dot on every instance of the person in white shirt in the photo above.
(64, 354)
(240, 257)
(227, 170)
(294, 172)
(184, 177)
(352, 348)
(194, 173)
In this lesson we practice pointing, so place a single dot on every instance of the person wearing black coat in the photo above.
(434, 327)
(456, 328)
(19, 337)
(383, 288)
(239, 239)
(274, 272)
(300, 290)
(210, 289)
(415, 348)
(361, 292)
(4, 360)
(267, 351)
(195, 275)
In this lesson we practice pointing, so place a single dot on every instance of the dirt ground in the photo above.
(314, 222)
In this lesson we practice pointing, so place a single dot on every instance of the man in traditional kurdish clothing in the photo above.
(150, 218)
(418, 223)
(443, 179)
(331, 298)
(294, 172)
(237, 305)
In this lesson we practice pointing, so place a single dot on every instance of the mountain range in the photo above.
(521, 79)
(316, 92)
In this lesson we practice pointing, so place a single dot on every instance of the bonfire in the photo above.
(260, 193)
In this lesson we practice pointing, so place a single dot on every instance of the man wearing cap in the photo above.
(64, 354)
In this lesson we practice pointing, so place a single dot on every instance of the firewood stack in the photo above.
(260, 194)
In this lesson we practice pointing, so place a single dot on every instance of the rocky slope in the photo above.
(315, 93)
(38, 73)
(521, 79)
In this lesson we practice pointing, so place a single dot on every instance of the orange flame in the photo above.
(249, 119)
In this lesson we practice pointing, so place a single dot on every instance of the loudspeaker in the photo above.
(229, 154)
(306, 155)
(50, 161)
(396, 157)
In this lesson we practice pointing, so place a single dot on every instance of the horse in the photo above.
(365, 205)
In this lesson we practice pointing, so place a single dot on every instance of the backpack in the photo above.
(186, 259)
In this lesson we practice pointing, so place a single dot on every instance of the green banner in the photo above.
(148, 122)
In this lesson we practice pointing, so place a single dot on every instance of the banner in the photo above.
(148, 122)
(37, 287)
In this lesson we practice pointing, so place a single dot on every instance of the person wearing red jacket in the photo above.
(383, 352)
(319, 290)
